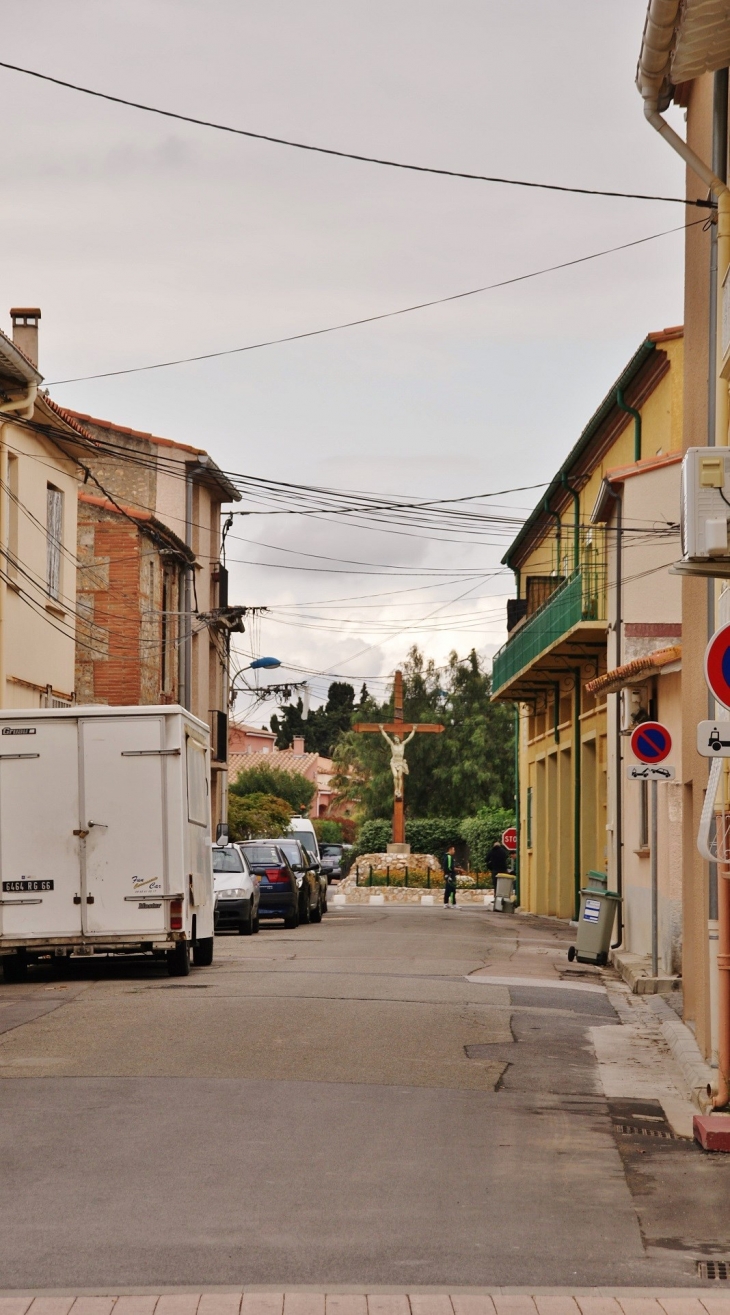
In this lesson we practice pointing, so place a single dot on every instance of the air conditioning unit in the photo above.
(634, 707)
(705, 503)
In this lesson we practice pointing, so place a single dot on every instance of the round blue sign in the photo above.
(717, 665)
(651, 742)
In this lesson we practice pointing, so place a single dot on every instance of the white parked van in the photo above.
(105, 842)
(303, 830)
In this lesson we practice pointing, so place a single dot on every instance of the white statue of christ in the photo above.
(398, 764)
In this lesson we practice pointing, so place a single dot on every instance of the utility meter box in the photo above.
(705, 503)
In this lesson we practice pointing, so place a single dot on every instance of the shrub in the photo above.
(432, 835)
(374, 836)
(480, 833)
(327, 831)
(257, 815)
(296, 789)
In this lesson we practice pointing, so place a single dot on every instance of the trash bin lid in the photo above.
(602, 894)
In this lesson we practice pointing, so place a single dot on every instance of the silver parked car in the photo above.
(236, 891)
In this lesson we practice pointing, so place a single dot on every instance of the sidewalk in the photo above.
(590, 1301)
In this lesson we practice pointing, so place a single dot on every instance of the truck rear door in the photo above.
(39, 809)
(123, 788)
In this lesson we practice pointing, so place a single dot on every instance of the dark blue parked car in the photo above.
(278, 889)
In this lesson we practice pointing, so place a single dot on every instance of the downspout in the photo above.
(623, 405)
(22, 406)
(719, 164)
(653, 67)
(186, 647)
(517, 803)
(576, 792)
(619, 801)
(576, 519)
(549, 512)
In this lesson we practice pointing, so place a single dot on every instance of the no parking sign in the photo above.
(717, 665)
(651, 742)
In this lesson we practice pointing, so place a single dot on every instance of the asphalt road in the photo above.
(340, 1104)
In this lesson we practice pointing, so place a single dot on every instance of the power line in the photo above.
(372, 319)
(346, 155)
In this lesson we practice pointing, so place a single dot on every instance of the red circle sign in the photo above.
(717, 665)
(651, 742)
(509, 839)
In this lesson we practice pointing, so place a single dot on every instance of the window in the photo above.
(12, 517)
(529, 817)
(54, 530)
(644, 815)
(197, 784)
(227, 860)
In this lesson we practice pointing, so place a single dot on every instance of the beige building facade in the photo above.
(39, 483)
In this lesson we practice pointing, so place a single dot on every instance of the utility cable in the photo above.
(345, 155)
(372, 319)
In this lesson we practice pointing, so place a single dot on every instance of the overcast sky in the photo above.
(144, 239)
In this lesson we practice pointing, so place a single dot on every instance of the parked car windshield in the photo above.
(227, 860)
(263, 854)
(331, 851)
(306, 838)
(291, 849)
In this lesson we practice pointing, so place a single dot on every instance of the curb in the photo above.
(696, 1071)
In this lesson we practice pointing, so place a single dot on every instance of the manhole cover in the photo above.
(629, 1130)
(717, 1270)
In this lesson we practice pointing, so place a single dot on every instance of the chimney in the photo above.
(298, 744)
(25, 330)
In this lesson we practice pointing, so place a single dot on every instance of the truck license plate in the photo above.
(27, 883)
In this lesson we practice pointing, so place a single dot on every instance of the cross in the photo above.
(398, 765)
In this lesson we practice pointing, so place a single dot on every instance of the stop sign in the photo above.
(509, 839)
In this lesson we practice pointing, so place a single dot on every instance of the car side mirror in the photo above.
(221, 833)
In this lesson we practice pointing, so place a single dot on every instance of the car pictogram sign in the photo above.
(717, 665)
(651, 742)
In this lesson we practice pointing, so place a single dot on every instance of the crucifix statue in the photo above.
(399, 728)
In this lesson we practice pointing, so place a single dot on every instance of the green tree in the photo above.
(468, 767)
(323, 727)
(291, 786)
(257, 815)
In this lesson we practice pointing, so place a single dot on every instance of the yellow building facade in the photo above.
(563, 559)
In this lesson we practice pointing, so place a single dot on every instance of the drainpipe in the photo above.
(576, 519)
(22, 406)
(623, 405)
(576, 792)
(549, 512)
(619, 800)
(517, 802)
(658, 37)
(719, 164)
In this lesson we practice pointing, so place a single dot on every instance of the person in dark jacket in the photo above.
(449, 869)
(497, 861)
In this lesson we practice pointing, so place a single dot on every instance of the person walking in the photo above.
(497, 861)
(448, 867)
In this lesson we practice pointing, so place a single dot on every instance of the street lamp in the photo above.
(263, 662)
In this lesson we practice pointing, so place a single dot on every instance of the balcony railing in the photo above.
(579, 598)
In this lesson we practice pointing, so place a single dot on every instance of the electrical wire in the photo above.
(343, 155)
(372, 319)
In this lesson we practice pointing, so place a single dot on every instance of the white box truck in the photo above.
(105, 835)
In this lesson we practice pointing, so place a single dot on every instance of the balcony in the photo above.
(568, 629)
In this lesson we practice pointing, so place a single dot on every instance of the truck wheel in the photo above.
(15, 966)
(178, 960)
(203, 952)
